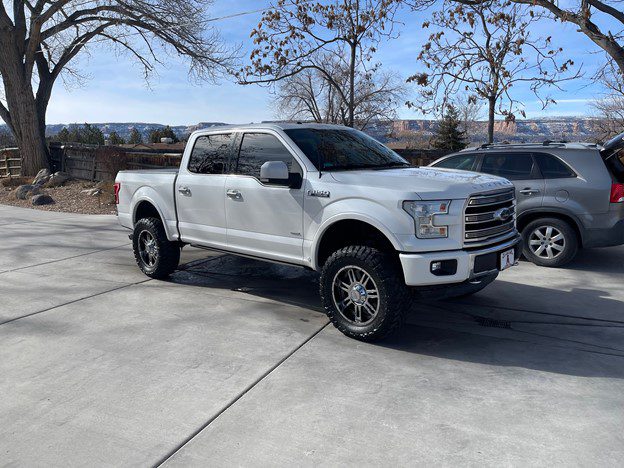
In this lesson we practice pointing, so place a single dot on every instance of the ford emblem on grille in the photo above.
(503, 214)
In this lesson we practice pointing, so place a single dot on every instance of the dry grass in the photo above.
(14, 181)
(68, 198)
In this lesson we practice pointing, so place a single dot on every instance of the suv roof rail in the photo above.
(551, 143)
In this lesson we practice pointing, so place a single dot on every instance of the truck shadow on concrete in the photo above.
(578, 332)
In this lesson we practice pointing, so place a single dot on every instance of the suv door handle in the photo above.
(529, 191)
(234, 194)
(185, 191)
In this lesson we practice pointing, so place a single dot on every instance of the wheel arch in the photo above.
(529, 216)
(340, 232)
(147, 202)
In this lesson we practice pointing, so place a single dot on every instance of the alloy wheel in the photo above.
(148, 249)
(547, 242)
(355, 295)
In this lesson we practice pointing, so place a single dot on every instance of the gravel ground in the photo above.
(68, 198)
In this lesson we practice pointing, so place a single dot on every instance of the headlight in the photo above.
(423, 214)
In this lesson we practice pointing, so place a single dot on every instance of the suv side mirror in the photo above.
(275, 172)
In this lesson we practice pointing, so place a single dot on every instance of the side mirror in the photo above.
(274, 172)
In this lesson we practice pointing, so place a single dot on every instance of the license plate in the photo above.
(507, 259)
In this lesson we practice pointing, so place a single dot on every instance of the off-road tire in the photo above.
(564, 257)
(167, 253)
(394, 297)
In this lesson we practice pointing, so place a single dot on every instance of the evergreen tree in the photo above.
(166, 132)
(63, 136)
(449, 136)
(115, 140)
(90, 135)
(135, 137)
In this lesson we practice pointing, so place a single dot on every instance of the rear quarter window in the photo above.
(552, 167)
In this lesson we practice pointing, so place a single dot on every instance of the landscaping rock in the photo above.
(94, 192)
(24, 191)
(42, 177)
(57, 179)
(39, 200)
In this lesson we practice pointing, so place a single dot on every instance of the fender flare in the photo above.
(349, 216)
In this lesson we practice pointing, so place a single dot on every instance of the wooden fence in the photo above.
(97, 163)
(10, 162)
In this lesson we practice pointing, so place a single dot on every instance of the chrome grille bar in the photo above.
(489, 217)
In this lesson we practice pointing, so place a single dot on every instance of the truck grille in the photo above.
(489, 216)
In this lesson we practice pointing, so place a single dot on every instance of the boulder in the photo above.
(43, 199)
(42, 177)
(24, 191)
(57, 179)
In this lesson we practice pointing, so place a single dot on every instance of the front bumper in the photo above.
(470, 263)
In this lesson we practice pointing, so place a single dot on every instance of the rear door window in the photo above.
(551, 167)
(464, 162)
(211, 153)
(512, 166)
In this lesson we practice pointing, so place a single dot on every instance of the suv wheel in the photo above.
(363, 293)
(155, 255)
(549, 242)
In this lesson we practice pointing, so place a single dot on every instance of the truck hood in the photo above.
(428, 182)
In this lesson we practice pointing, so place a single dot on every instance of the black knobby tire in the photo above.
(166, 254)
(386, 275)
(565, 249)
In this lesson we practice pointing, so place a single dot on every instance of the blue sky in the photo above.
(114, 90)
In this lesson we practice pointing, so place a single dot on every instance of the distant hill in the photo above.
(529, 130)
(398, 132)
(124, 129)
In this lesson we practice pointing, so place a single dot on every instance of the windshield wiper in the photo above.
(390, 165)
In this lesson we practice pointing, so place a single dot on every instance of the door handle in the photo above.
(185, 191)
(529, 191)
(234, 194)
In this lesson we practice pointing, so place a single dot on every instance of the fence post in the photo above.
(94, 167)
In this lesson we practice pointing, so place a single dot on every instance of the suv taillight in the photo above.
(617, 193)
(117, 189)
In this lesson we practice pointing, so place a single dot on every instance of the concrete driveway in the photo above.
(233, 363)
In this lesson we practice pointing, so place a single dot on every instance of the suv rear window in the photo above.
(551, 167)
(512, 166)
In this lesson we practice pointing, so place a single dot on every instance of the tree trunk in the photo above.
(491, 116)
(352, 85)
(29, 128)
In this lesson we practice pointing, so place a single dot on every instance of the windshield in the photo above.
(344, 149)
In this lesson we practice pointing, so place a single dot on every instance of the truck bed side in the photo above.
(148, 190)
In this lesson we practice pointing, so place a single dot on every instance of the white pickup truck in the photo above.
(331, 199)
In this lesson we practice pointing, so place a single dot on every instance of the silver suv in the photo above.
(570, 195)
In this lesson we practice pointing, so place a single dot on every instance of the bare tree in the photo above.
(40, 39)
(310, 95)
(470, 111)
(600, 21)
(294, 35)
(610, 108)
(485, 49)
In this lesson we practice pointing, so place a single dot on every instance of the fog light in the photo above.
(444, 267)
